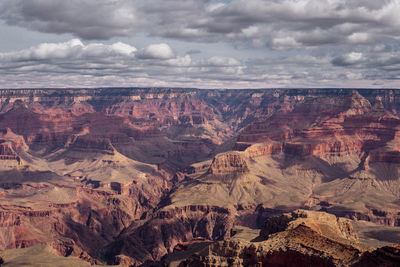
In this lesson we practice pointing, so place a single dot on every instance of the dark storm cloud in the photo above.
(88, 19)
(308, 22)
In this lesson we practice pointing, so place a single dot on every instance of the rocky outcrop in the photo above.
(303, 238)
(158, 235)
(67, 247)
(321, 222)
(79, 228)
(384, 256)
(326, 128)
(230, 162)
(263, 149)
(90, 144)
(7, 152)
(385, 157)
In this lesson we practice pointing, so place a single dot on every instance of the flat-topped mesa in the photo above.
(227, 163)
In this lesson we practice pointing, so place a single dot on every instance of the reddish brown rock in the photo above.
(231, 162)
(303, 238)
(386, 256)
(153, 238)
(85, 170)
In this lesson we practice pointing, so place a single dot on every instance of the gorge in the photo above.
(190, 177)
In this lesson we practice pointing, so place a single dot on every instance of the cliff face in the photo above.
(228, 163)
(129, 175)
(303, 238)
(385, 256)
(325, 126)
(153, 238)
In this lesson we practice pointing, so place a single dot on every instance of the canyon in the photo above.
(195, 177)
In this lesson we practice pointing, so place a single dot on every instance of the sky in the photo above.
(200, 43)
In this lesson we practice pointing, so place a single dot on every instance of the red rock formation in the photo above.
(301, 238)
(385, 256)
(133, 221)
(228, 163)
(385, 156)
(160, 234)
(262, 149)
(352, 127)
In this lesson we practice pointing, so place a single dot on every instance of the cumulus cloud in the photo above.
(184, 61)
(156, 51)
(281, 43)
(222, 61)
(77, 63)
(73, 49)
(348, 59)
(359, 37)
(98, 63)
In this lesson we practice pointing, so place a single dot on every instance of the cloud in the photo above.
(180, 61)
(193, 51)
(348, 59)
(156, 51)
(99, 64)
(87, 19)
(80, 64)
(307, 23)
(73, 49)
(222, 61)
(49, 50)
(359, 37)
(250, 43)
(281, 43)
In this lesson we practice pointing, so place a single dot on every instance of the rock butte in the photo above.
(185, 177)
